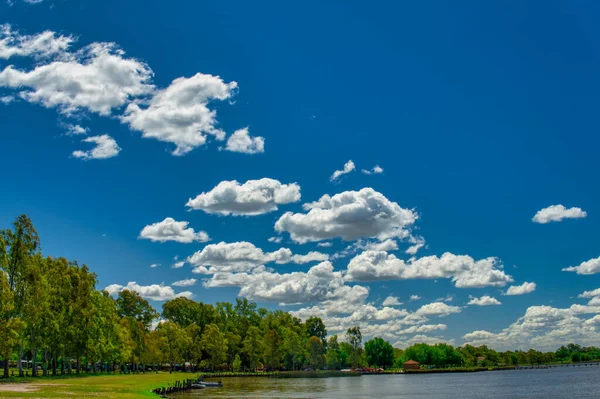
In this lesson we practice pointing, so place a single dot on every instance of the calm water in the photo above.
(578, 382)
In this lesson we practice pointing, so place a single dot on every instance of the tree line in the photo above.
(52, 315)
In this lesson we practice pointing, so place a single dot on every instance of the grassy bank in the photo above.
(130, 386)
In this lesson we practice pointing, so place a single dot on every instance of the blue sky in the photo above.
(480, 115)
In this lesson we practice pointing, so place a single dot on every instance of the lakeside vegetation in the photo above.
(52, 315)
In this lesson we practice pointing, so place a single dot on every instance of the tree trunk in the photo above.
(20, 357)
(6, 365)
(34, 369)
(78, 365)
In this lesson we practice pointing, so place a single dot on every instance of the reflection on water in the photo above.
(577, 382)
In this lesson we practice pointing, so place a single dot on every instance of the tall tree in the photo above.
(379, 352)
(314, 347)
(252, 347)
(130, 303)
(354, 338)
(215, 345)
(332, 355)
(316, 328)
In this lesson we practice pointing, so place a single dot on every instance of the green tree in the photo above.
(354, 338)
(314, 346)
(332, 355)
(252, 347)
(131, 304)
(215, 345)
(292, 345)
(316, 328)
(379, 352)
(271, 349)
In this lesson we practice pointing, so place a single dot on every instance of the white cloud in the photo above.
(106, 147)
(244, 256)
(7, 99)
(74, 130)
(391, 301)
(241, 141)
(178, 265)
(590, 294)
(414, 298)
(185, 283)
(276, 240)
(349, 215)
(255, 197)
(387, 245)
(348, 167)
(172, 230)
(324, 244)
(437, 309)
(418, 243)
(543, 328)
(556, 213)
(320, 283)
(484, 301)
(421, 339)
(155, 292)
(40, 45)
(97, 78)
(152, 266)
(179, 114)
(376, 170)
(463, 270)
(591, 266)
(522, 289)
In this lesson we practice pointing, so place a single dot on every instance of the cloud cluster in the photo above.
(543, 328)
(350, 215)
(179, 114)
(41, 45)
(557, 213)
(463, 270)
(172, 230)
(591, 266)
(244, 256)
(374, 171)
(106, 147)
(255, 197)
(185, 283)
(155, 292)
(391, 301)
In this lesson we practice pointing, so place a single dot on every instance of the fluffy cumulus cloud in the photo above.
(544, 328)
(155, 292)
(178, 265)
(557, 213)
(590, 294)
(241, 141)
(180, 113)
(591, 266)
(464, 271)
(438, 309)
(414, 298)
(105, 147)
(522, 289)
(172, 230)
(255, 197)
(375, 170)
(41, 45)
(391, 301)
(185, 283)
(97, 78)
(349, 215)
(320, 283)
(485, 300)
(244, 256)
(348, 167)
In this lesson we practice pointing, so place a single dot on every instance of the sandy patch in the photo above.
(22, 387)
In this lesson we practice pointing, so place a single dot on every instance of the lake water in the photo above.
(573, 382)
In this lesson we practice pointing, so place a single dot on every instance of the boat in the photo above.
(197, 385)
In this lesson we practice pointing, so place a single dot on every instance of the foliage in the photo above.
(379, 353)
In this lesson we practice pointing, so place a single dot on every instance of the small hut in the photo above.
(411, 365)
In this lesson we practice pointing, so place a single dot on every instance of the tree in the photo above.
(215, 345)
(17, 250)
(332, 355)
(131, 304)
(271, 348)
(237, 363)
(172, 343)
(252, 347)
(292, 345)
(316, 328)
(354, 338)
(314, 346)
(379, 353)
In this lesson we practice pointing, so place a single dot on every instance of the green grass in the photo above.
(131, 386)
